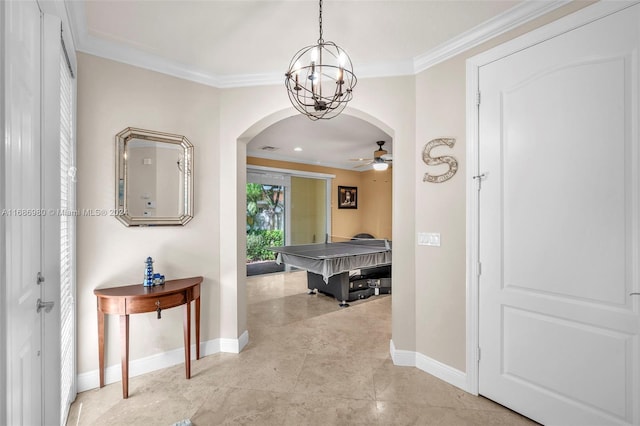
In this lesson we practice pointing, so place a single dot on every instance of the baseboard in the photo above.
(234, 346)
(436, 368)
(113, 373)
(401, 357)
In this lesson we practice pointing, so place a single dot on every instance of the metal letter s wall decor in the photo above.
(436, 161)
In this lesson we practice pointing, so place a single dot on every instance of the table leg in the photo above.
(124, 355)
(198, 328)
(101, 345)
(187, 339)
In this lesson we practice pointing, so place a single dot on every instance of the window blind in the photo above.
(67, 240)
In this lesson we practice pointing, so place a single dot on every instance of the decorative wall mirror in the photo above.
(154, 178)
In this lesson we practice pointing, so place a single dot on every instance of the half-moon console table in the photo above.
(136, 299)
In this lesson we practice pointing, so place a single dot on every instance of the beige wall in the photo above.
(440, 271)
(373, 215)
(111, 97)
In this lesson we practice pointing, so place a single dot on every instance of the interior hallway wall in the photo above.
(111, 97)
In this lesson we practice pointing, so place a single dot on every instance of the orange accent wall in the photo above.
(373, 215)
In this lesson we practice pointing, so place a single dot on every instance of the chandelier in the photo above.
(320, 79)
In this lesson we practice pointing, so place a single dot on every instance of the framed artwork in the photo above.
(347, 197)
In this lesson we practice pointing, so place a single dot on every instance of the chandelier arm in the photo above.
(301, 100)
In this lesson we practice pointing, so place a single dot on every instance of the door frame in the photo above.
(3, 284)
(474, 173)
(54, 18)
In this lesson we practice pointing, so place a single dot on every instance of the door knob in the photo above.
(635, 293)
(46, 305)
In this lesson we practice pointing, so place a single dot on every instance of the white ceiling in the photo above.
(244, 43)
(331, 143)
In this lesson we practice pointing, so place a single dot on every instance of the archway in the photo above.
(241, 169)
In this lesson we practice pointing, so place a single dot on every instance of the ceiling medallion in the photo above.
(320, 79)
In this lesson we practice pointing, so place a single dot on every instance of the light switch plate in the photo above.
(429, 239)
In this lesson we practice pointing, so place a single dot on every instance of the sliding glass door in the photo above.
(266, 215)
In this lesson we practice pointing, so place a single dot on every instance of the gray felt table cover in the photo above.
(335, 265)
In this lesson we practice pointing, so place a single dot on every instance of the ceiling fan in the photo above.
(380, 160)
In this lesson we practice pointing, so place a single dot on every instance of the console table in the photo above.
(136, 299)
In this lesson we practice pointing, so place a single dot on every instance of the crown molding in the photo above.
(495, 26)
(500, 24)
(249, 80)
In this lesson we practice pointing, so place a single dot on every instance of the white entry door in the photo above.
(559, 226)
(21, 180)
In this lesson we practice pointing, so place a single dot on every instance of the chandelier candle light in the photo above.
(322, 88)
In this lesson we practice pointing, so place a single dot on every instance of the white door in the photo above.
(23, 229)
(559, 217)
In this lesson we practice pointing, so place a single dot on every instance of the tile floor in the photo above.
(308, 362)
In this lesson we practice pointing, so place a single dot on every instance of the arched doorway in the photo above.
(242, 141)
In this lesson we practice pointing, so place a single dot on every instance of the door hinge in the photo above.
(479, 354)
(40, 278)
(479, 268)
(478, 99)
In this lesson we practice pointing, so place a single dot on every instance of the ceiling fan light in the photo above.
(380, 166)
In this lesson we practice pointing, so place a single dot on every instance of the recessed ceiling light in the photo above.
(297, 148)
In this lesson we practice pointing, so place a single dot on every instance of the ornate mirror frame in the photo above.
(123, 176)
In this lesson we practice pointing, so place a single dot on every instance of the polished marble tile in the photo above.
(233, 406)
(408, 384)
(406, 413)
(262, 371)
(320, 410)
(346, 376)
(274, 286)
(308, 362)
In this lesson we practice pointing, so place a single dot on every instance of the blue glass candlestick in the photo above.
(148, 273)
